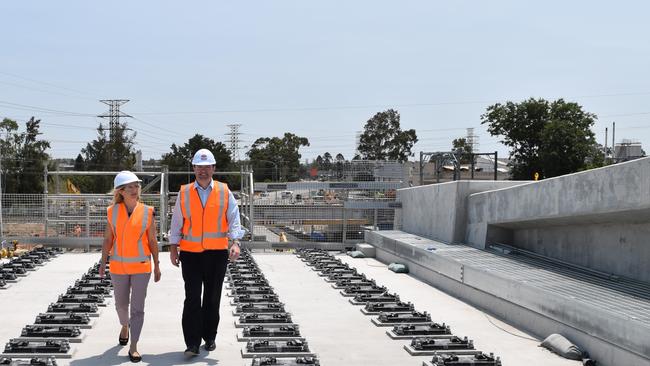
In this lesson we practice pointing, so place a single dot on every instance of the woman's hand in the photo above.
(156, 273)
(102, 269)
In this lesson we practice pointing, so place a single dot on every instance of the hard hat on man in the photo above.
(203, 157)
(125, 177)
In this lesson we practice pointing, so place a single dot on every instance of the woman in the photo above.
(130, 238)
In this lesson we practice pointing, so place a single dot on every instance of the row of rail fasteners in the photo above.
(427, 338)
(22, 262)
(270, 334)
(53, 332)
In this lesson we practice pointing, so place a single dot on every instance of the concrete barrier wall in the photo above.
(439, 211)
(598, 219)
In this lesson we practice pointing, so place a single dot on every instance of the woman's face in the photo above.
(131, 191)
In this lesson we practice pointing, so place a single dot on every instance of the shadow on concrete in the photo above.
(112, 357)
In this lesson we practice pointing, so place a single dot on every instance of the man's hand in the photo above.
(233, 254)
(173, 255)
(102, 269)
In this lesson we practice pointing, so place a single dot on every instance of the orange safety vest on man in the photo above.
(204, 228)
(130, 253)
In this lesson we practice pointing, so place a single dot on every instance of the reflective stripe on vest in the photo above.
(125, 262)
(195, 220)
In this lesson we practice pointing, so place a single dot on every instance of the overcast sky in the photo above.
(319, 69)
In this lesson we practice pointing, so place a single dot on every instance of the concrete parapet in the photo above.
(598, 219)
(439, 211)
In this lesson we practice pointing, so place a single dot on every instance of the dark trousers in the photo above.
(202, 272)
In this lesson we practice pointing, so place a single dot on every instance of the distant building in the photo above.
(628, 150)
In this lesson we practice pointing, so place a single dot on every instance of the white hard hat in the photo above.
(203, 157)
(124, 177)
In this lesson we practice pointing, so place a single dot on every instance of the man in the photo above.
(205, 217)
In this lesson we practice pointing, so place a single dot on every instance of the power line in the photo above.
(44, 91)
(41, 109)
(157, 127)
(388, 105)
(48, 84)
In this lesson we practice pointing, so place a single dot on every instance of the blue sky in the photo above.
(319, 69)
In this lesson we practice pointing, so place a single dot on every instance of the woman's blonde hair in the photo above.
(117, 196)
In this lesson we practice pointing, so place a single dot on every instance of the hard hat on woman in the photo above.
(125, 177)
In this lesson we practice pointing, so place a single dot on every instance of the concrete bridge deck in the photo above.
(336, 330)
(537, 295)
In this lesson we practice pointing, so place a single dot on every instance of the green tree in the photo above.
(79, 163)
(550, 138)
(102, 154)
(34, 158)
(340, 164)
(282, 151)
(383, 139)
(179, 159)
(327, 161)
(9, 156)
(460, 146)
(24, 157)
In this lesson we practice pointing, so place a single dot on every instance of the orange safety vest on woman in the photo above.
(130, 253)
(204, 228)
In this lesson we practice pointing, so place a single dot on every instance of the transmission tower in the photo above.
(472, 140)
(234, 140)
(114, 115)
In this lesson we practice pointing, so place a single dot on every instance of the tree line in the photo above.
(548, 138)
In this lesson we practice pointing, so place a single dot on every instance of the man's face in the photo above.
(203, 172)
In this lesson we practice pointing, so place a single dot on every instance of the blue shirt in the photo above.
(232, 215)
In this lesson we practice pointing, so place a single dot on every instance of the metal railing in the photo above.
(307, 212)
(54, 217)
(337, 212)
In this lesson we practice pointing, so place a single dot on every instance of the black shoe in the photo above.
(192, 351)
(123, 341)
(210, 346)
(134, 359)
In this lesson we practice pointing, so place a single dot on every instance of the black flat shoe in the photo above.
(123, 341)
(210, 346)
(192, 351)
(134, 359)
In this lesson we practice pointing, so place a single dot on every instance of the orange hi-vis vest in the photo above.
(130, 253)
(204, 228)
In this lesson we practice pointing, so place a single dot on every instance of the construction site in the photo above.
(489, 275)
(324, 183)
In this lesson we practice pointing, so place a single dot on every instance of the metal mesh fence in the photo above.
(322, 211)
(67, 215)
(23, 215)
(275, 212)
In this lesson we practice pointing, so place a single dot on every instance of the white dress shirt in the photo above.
(232, 214)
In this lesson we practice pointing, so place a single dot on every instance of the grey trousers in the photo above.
(131, 289)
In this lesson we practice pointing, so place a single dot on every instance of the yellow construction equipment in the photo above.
(71, 188)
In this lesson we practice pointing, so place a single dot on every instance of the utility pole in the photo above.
(234, 140)
(113, 115)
